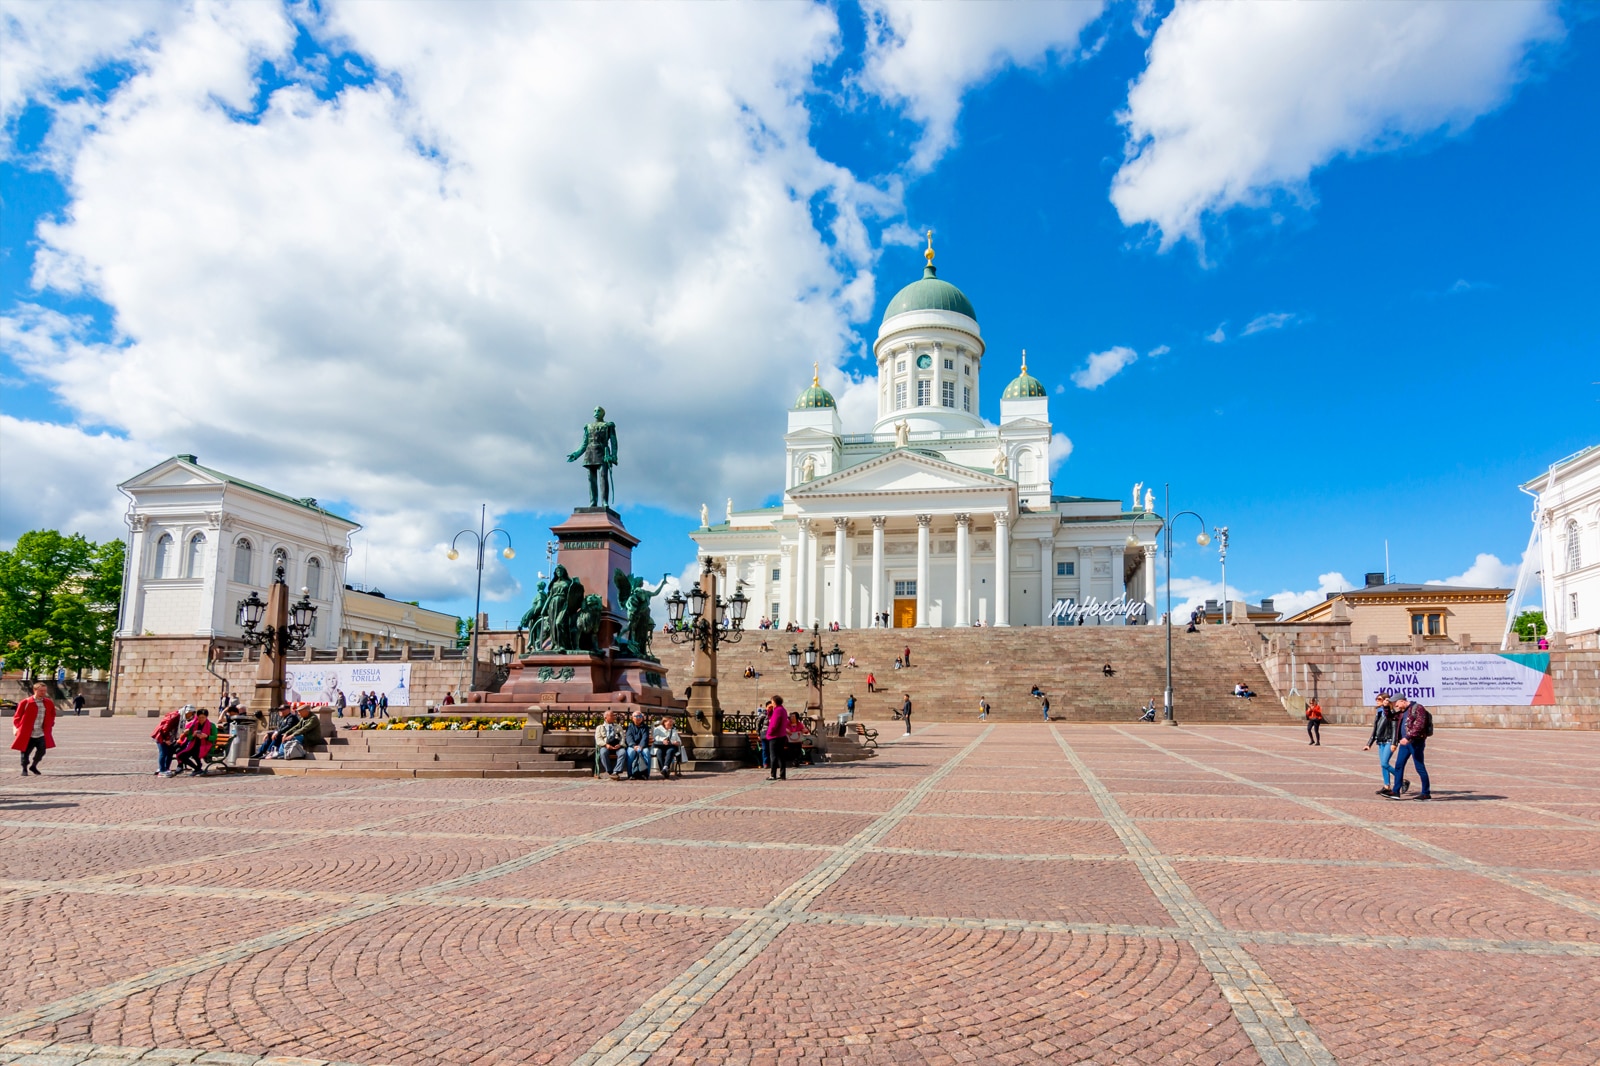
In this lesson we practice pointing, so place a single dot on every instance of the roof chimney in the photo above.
(1376, 579)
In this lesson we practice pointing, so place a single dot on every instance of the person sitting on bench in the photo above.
(637, 742)
(669, 746)
(608, 753)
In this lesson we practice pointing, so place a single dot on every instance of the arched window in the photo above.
(314, 578)
(279, 558)
(1026, 467)
(194, 558)
(241, 561)
(163, 558)
(1574, 549)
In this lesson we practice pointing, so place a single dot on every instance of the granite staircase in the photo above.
(951, 668)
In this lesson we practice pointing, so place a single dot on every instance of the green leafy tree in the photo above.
(463, 632)
(1530, 625)
(58, 601)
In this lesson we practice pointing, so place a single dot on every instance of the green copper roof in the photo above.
(929, 293)
(814, 397)
(1023, 385)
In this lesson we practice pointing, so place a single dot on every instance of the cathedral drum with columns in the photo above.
(936, 518)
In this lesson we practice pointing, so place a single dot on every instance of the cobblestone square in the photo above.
(977, 893)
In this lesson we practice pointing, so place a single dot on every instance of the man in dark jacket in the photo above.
(307, 729)
(905, 712)
(1385, 731)
(637, 743)
(1415, 725)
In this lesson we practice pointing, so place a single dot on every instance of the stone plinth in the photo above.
(594, 545)
(550, 680)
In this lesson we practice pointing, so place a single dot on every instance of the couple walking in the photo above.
(1401, 727)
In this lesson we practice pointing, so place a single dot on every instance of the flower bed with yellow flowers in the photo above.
(437, 723)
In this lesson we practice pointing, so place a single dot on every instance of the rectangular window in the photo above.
(1427, 624)
(905, 589)
(949, 364)
(966, 397)
(1066, 569)
(777, 575)
(900, 367)
(1572, 603)
(966, 368)
(1436, 625)
(899, 395)
(774, 612)
(924, 392)
(947, 393)
(1417, 622)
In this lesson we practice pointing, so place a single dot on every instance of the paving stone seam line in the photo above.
(41, 1052)
(1026, 925)
(1583, 823)
(1445, 857)
(1276, 1028)
(94, 998)
(648, 1027)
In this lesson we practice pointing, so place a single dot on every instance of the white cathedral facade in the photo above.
(936, 518)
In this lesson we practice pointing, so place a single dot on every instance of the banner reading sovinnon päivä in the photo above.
(1464, 680)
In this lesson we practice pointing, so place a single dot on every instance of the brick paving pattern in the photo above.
(999, 893)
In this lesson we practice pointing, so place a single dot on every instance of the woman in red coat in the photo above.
(33, 727)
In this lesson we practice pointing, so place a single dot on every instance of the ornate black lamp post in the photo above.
(482, 542)
(501, 657)
(706, 621)
(286, 629)
(814, 666)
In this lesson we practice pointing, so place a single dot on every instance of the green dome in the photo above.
(928, 293)
(1024, 385)
(814, 397)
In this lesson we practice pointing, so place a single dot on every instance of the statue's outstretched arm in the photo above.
(581, 448)
(661, 587)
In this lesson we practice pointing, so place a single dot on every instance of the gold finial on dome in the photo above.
(928, 255)
(814, 381)
(1024, 360)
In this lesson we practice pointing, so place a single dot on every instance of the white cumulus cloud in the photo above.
(926, 56)
(1289, 602)
(1486, 572)
(1240, 102)
(1101, 367)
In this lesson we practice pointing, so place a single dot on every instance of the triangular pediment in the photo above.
(901, 471)
(172, 474)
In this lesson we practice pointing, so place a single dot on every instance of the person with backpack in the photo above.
(1416, 726)
(1314, 722)
(1385, 731)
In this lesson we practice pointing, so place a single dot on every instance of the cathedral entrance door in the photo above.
(905, 613)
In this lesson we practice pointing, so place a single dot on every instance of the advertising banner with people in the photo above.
(317, 682)
(1507, 679)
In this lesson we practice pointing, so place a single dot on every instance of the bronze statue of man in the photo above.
(599, 454)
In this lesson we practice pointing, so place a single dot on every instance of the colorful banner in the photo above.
(317, 682)
(1506, 680)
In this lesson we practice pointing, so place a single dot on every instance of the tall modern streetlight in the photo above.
(1222, 550)
(1202, 541)
(482, 541)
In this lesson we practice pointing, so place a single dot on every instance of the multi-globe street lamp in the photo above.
(277, 629)
(814, 666)
(482, 540)
(706, 621)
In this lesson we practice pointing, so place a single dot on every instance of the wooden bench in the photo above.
(868, 737)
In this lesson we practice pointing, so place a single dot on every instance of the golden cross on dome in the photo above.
(928, 255)
(1024, 360)
(814, 381)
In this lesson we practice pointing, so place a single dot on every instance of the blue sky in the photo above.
(1340, 264)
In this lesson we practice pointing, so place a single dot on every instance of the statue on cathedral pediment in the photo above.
(808, 469)
(902, 434)
(1149, 500)
(1002, 462)
(1137, 485)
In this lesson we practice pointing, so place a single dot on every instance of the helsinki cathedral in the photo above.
(937, 517)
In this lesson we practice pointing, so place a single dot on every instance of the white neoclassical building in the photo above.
(1567, 517)
(936, 518)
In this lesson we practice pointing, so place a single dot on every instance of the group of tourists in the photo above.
(624, 753)
(185, 739)
(374, 703)
(783, 739)
(1400, 728)
(293, 734)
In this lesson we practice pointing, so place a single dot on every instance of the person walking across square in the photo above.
(1385, 731)
(983, 709)
(33, 728)
(1416, 725)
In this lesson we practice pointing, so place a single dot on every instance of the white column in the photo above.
(1002, 569)
(1047, 578)
(1118, 585)
(802, 562)
(923, 522)
(878, 523)
(762, 603)
(836, 601)
(963, 570)
(785, 584)
(1149, 584)
(813, 572)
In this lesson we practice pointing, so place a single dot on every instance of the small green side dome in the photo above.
(816, 396)
(929, 293)
(1024, 385)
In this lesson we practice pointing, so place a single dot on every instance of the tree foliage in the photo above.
(58, 601)
(1530, 625)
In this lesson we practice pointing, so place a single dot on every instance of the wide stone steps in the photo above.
(950, 669)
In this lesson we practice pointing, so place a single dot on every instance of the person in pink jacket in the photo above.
(33, 727)
(775, 737)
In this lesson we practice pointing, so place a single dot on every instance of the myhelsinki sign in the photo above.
(317, 683)
(1121, 607)
(1510, 680)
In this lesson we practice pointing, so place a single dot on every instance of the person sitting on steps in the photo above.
(1108, 671)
